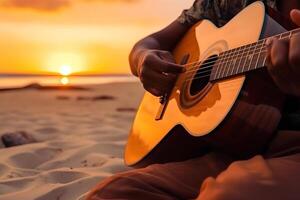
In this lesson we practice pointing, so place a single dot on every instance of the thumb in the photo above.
(295, 16)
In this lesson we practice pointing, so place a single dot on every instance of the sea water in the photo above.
(12, 81)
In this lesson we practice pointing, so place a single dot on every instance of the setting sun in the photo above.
(65, 70)
(65, 63)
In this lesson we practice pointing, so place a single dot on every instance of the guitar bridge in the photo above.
(164, 100)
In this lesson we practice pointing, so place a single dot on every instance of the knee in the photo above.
(211, 189)
(242, 180)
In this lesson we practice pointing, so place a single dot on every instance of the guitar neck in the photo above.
(245, 58)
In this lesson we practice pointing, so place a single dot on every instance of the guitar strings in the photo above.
(237, 53)
(229, 57)
(241, 49)
(227, 84)
(226, 60)
(211, 65)
(203, 76)
(262, 40)
(198, 77)
(234, 53)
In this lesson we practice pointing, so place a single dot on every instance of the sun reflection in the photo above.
(65, 80)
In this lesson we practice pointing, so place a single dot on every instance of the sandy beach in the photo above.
(80, 139)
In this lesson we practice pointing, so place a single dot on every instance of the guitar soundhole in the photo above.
(202, 77)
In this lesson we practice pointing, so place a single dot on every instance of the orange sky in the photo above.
(90, 36)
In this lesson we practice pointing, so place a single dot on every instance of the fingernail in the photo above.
(295, 11)
(269, 41)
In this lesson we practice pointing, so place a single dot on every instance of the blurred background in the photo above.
(67, 99)
(76, 37)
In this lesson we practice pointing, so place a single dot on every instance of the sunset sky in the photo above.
(89, 36)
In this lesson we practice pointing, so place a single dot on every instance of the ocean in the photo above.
(12, 81)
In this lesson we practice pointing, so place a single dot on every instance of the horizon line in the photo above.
(75, 74)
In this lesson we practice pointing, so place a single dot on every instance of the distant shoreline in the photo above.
(37, 86)
(57, 75)
(21, 81)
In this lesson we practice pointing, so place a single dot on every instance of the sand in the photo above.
(80, 134)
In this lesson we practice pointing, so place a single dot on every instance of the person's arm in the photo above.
(151, 60)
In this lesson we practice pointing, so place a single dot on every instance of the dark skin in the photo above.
(152, 62)
(151, 59)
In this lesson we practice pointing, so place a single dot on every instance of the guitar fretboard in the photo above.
(245, 58)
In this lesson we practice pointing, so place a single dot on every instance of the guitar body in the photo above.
(194, 121)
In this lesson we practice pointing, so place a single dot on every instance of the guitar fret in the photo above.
(265, 57)
(253, 56)
(241, 60)
(258, 56)
(236, 58)
(230, 65)
(226, 59)
(280, 36)
(217, 66)
(277, 36)
(290, 34)
(230, 62)
(233, 65)
(250, 57)
(295, 31)
(262, 55)
(220, 66)
(231, 68)
(287, 34)
(226, 63)
(245, 59)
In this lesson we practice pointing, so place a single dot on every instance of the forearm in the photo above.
(135, 56)
(165, 40)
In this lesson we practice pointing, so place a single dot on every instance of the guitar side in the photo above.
(152, 139)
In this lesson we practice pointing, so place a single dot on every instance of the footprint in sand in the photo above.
(47, 130)
(36, 158)
(63, 176)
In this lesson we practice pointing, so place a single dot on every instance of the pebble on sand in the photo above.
(96, 98)
(103, 97)
(83, 98)
(63, 97)
(17, 138)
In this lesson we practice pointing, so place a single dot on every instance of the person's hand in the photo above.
(284, 60)
(158, 71)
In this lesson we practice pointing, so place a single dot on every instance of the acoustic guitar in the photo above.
(225, 88)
